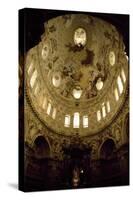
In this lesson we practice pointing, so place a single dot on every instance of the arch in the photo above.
(41, 147)
(107, 149)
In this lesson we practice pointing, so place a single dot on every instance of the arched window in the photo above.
(67, 121)
(49, 108)
(33, 78)
(116, 94)
(108, 106)
(44, 105)
(76, 120)
(85, 121)
(98, 115)
(120, 84)
(103, 110)
(123, 75)
(54, 113)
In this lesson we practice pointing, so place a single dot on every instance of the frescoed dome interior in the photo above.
(76, 77)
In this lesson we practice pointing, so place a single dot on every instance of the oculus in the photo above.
(56, 80)
(45, 51)
(99, 84)
(77, 92)
(112, 58)
(80, 37)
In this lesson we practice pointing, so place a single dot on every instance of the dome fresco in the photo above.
(77, 74)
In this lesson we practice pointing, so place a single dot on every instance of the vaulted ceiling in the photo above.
(76, 77)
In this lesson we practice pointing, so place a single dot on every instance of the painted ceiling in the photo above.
(77, 64)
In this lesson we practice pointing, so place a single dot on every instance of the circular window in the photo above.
(99, 84)
(80, 37)
(56, 79)
(45, 51)
(77, 92)
(112, 58)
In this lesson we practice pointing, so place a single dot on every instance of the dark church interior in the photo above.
(73, 100)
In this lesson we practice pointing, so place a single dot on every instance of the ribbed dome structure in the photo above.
(76, 77)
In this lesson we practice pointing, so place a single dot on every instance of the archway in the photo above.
(107, 149)
(109, 163)
(41, 147)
